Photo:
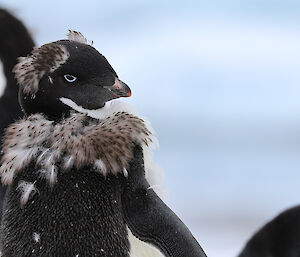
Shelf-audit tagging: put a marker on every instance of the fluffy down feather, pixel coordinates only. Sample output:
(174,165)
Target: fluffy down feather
(105,142)
(27,189)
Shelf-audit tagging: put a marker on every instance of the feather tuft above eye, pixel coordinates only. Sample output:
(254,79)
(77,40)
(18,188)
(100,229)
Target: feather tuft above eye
(78,37)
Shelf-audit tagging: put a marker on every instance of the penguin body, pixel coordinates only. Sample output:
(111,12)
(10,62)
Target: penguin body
(77,177)
(278,238)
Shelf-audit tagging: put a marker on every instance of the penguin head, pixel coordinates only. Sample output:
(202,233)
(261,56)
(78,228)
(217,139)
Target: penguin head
(66,73)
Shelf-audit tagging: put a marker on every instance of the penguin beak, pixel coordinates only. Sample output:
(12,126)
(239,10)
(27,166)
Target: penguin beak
(119,89)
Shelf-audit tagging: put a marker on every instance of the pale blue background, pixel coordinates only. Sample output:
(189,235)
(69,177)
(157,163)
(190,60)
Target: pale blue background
(220,82)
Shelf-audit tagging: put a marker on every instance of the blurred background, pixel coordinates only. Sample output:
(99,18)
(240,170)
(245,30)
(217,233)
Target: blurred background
(220,82)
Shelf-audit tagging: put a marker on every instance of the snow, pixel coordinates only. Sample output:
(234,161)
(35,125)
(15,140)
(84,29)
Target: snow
(36,237)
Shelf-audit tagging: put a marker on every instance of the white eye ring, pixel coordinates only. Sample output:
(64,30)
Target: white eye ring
(70,78)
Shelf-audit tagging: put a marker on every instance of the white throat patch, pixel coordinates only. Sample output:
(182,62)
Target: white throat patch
(108,109)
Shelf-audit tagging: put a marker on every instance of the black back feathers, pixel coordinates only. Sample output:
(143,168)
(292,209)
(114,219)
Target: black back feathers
(15,41)
(278,238)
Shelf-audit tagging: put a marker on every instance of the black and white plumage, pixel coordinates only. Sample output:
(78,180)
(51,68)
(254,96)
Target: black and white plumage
(278,238)
(79,178)
(15,41)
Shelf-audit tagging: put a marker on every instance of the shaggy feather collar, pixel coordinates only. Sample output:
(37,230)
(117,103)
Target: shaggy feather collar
(103,138)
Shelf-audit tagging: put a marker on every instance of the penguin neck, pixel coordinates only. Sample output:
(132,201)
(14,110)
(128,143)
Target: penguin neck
(56,113)
(53,116)
(58,117)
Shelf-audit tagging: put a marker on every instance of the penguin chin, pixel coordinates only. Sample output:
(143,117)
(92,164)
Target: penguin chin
(69,102)
(110,107)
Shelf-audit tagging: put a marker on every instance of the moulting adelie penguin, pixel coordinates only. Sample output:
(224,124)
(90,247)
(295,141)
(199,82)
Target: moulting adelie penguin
(78,176)
(15,41)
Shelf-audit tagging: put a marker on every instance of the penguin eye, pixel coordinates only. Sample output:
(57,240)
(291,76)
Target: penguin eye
(70,78)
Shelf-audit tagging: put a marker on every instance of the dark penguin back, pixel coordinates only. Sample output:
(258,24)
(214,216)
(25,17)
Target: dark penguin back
(278,238)
(80,215)
(15,41)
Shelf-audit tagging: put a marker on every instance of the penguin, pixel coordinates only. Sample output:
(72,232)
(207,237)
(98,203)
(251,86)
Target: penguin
(15,41)
(78,165)
(278,238)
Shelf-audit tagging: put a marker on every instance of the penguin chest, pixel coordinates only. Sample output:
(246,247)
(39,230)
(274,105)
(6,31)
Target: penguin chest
(79,216)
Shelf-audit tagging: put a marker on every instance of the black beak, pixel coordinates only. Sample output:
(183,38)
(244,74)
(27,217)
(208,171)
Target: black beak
(119,89)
